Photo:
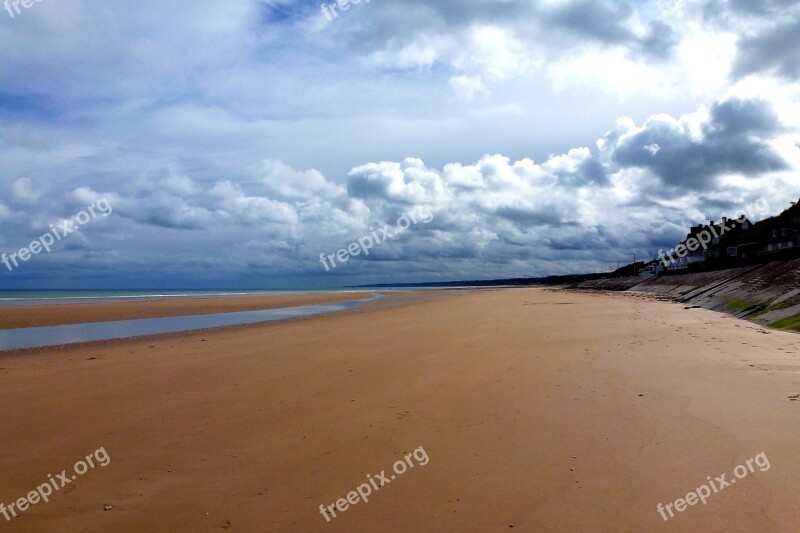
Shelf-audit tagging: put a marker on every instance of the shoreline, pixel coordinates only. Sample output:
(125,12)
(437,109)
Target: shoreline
(388,300)
(14,317)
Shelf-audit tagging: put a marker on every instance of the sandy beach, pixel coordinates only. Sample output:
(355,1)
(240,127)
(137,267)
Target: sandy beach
(538,410)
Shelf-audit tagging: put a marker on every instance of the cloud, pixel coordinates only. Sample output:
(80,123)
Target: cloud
(772,51)
(23,191)
(767,35)
(660,42)
(762,8)
(733,140)
(468,87)
(601,20)
(239,143)
(516,39)
(638,189)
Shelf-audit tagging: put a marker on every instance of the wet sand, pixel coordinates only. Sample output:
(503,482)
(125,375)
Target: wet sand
(57,315)
(545,410)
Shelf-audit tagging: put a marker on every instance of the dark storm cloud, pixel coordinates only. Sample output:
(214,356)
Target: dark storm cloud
(598,20)
(283,11)
(589,172)
(732,142)
(762,7)
(554,27)
(769,35)
(772,51)
(732,118)
(395,21)
(593,172)
(608,23)
(660,41)
(601,20)
(549,216)
(727,12)
(364,186)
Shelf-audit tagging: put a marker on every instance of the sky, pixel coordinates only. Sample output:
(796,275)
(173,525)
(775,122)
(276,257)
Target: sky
(239,141)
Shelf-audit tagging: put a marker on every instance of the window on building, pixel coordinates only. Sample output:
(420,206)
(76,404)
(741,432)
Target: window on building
(774,234)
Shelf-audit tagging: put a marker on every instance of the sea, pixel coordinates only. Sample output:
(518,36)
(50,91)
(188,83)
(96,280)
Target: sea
(54,297)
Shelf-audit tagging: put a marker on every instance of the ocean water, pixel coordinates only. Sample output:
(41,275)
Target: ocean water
(19,298)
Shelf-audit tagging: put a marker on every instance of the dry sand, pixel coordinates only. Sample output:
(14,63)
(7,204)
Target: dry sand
(56,315)
(548,411)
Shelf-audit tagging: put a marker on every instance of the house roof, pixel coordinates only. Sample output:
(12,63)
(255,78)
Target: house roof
(716,229)
(756,233)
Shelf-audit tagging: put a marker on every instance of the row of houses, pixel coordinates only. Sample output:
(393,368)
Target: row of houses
(732,242)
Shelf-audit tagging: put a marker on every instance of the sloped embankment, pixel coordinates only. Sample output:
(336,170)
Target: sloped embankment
(766,294)
(610,284)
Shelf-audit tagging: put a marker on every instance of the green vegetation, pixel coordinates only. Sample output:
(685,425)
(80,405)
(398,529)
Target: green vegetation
(793,322)
(771,308)
(738,305)
(756,310)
